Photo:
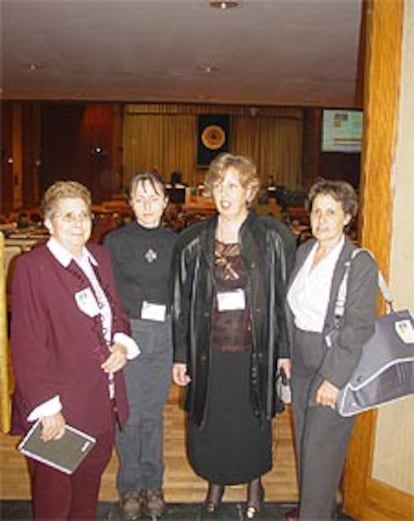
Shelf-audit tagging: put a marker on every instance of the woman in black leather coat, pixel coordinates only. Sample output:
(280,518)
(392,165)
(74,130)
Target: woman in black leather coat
(230,332)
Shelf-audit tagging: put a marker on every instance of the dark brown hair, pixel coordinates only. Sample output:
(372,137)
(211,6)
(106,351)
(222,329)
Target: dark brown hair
(341,191)
(147,177)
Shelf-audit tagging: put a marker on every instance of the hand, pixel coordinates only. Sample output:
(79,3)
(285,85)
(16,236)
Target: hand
(179,374)
(53,427)
(327,394)
(116,360)
(284,363)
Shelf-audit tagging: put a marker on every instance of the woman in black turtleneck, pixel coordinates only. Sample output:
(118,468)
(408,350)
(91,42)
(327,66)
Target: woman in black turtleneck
(141,255)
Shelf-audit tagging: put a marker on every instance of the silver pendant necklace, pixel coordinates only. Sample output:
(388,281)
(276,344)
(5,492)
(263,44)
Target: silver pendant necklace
(150,255)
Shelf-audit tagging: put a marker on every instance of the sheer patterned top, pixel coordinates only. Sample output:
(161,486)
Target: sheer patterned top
(231,329)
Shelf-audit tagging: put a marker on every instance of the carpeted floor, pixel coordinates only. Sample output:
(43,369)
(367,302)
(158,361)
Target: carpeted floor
(21,510)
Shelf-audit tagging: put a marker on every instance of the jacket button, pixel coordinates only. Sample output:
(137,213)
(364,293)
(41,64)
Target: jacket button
(203,358)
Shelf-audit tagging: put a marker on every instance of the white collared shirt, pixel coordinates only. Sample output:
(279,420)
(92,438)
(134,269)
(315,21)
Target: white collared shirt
(308,296)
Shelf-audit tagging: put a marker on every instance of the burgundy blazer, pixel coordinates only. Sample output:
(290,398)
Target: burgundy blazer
(58,349)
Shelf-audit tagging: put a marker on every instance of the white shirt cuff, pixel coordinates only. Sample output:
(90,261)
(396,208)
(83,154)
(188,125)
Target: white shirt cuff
(47,408)
(131,346)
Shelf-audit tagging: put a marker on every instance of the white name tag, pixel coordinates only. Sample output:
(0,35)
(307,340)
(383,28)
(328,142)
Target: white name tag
(405,331)
(155,312)
(231,300)
(86,302)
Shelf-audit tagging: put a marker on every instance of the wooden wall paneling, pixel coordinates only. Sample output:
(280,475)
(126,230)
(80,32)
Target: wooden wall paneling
(78,144)
(117,151)
(387,503)
(31,130)
(96,147)
(337,165)
(364,498)
(329,165)
(311,145)
(6,181)
(17,155)
(60,127)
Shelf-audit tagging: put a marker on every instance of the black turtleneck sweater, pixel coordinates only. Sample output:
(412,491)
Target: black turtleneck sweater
(141,259)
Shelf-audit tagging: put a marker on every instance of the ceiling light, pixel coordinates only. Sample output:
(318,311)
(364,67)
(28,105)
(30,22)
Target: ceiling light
(35,66)
(224,4)
(208,68)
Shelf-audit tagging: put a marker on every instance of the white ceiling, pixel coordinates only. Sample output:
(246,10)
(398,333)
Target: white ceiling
(264,52)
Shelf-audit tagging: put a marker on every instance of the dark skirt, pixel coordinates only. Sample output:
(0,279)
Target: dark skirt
(232,446)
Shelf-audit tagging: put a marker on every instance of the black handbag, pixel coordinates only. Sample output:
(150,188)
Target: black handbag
(283,391)
(385,371)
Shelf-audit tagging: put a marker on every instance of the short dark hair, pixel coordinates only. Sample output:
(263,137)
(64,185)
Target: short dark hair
(147,177)
(341,191)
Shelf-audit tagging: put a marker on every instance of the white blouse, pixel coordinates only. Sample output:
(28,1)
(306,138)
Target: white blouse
(308,296)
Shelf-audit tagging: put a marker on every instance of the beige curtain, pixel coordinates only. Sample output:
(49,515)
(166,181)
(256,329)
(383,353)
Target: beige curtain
(164,142)
(274,143)
(168,142)
(5,405)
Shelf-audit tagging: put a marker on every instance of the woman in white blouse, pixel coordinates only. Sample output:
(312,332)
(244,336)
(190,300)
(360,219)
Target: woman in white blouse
(319,372)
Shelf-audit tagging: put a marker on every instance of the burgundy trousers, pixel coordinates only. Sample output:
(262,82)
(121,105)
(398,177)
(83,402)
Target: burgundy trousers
(60,497)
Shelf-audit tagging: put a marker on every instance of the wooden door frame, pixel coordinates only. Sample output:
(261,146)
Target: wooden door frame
(364,497)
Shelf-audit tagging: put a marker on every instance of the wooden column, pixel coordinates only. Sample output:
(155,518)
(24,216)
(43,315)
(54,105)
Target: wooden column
(5,406)
(363,498)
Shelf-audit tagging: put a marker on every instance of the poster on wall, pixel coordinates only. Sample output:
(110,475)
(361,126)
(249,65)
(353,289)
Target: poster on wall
(342,130)
(213,137)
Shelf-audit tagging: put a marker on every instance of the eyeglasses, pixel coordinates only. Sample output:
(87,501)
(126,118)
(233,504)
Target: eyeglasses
(72,218)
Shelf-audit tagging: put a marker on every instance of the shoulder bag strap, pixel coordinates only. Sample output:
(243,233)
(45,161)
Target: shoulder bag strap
(343,288)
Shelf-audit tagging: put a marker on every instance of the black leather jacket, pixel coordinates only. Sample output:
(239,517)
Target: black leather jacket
(268,249)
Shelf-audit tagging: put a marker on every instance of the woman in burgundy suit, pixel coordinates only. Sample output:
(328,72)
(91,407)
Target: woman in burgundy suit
(70,340)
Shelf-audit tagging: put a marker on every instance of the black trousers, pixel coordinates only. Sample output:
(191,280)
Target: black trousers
(321,434)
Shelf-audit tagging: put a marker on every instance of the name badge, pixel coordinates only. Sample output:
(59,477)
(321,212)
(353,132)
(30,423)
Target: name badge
(231,300)
(86,302)
(405,331)
(156,312)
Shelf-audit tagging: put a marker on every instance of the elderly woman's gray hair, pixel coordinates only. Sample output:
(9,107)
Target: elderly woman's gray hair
(64,190)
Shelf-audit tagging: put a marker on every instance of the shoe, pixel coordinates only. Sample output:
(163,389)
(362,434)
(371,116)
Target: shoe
(213,498)
(255,501)
(292,515)
(153,502)
(130,506)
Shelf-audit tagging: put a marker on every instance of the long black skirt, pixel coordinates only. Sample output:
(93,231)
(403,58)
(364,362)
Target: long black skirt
(232,446)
